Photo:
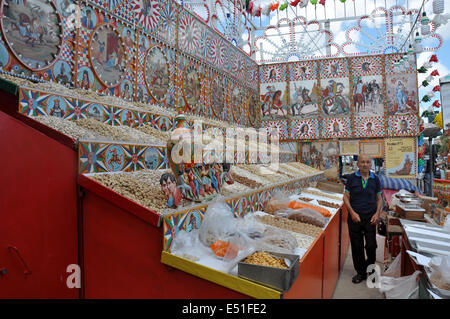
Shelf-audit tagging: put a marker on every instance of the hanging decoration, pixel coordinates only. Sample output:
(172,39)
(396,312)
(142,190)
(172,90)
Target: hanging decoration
(418,43)
(436,104)
(434,58)
(266,10)
(438,6)
(250,7)
(440,17)
(303,3)
(274,5)
(425,28)
(422,70)
(438,120)
(421,145)
(284,6)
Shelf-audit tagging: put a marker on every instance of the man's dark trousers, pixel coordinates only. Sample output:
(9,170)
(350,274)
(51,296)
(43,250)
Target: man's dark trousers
(358,232)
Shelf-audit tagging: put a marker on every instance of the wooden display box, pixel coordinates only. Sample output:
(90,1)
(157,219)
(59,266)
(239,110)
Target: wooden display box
(411,213)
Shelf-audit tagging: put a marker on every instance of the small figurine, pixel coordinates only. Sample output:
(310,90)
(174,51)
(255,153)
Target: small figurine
(214,181)
(226,174)
(206,180)
(170,189)
(217,172)
(186,190)
(193,182)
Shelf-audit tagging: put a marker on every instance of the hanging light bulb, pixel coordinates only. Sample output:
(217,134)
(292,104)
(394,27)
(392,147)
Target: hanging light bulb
(438,6)
(406,63)
(400,65)
(418,43)
(425,28)
(411,54)
(396,67)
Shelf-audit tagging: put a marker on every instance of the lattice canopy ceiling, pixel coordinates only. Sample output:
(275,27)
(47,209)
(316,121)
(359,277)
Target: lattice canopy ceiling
(301,30)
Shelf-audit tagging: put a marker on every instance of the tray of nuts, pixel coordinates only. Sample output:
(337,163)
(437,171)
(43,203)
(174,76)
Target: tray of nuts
(328,204)
(276,270)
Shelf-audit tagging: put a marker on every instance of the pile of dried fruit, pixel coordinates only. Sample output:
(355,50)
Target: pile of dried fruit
(66,127)
(235,188)
(328,204)
(147,194)
(247,182)
(313,192)
(291,225)
(263,258)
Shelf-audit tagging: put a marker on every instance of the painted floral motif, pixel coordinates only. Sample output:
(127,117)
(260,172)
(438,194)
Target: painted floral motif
(189,34)
(217,52)
(169,18)
(147,13)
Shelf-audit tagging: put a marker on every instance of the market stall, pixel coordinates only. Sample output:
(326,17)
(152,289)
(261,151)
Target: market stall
(94,112)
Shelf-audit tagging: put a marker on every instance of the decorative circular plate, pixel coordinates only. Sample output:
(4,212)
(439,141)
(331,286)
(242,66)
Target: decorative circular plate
(147,13)
(33,31)
(107,55)
(157,73)
(191,86)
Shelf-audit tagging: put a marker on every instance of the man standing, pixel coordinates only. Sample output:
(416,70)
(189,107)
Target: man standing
(363,200)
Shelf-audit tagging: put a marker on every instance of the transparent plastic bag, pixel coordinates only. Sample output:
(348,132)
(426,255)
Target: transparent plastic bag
(278,201)
(440,271)
(219,223)
(395,267)
(402,287)
(251,226)
(396,287)
(276,240)
(304,215)
(185,243)
(235,248)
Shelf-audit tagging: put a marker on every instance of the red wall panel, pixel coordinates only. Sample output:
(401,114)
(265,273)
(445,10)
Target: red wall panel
(38,210)
(309,282)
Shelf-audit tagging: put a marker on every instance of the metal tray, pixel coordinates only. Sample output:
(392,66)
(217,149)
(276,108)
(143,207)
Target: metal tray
(411,201)
(403,196)
(411,208)
(276,278)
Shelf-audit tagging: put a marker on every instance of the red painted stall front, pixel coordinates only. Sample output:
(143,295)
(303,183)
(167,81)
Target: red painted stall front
(122,246)
(122,252)
(38,210)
